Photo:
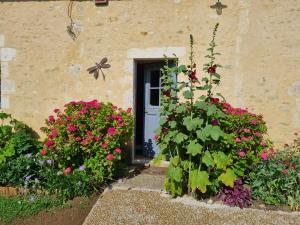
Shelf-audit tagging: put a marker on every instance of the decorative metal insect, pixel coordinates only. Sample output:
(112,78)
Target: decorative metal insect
(219,7)
(99,66)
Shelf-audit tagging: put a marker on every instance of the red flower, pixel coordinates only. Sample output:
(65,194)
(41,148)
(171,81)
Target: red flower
(56,110)
(193,76)
(51,119)
(67,170)
(43,152)
(110,157)
(242,154)
(215,122)
(118,151)
(129,110)
(214,100)
(212,69)
(167,93)
(286,171)
(68,118)
(253,122)
(111,131)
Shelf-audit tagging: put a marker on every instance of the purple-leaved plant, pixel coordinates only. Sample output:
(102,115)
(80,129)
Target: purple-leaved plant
(237,196)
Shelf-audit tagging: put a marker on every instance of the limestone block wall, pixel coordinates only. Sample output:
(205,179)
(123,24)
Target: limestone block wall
(43,68)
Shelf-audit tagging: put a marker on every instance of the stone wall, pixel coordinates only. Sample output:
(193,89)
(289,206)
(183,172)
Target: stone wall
(43,68)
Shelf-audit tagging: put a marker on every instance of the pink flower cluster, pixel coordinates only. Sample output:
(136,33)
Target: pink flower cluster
(91,104)
(227,108)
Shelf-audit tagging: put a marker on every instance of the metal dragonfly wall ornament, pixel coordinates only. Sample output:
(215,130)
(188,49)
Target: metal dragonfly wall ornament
(98,67)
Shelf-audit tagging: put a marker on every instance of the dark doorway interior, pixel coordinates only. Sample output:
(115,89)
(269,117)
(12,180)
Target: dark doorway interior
(139,108)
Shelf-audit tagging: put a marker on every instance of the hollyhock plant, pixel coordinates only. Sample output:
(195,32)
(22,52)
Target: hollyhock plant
(209,142)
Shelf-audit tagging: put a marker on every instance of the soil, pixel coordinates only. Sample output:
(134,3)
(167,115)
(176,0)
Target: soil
(74,214)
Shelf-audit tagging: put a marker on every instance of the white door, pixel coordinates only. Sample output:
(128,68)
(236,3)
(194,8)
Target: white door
(152,103)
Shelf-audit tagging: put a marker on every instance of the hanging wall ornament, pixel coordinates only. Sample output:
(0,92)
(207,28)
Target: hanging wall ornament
(218,7)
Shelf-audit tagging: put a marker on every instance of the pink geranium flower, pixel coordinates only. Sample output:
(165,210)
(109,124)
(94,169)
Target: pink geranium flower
(247,130)
(71,128)
(253,122)
(51,119)
(67,170)
(286,171)
(68,118)
(237,139)
(56,110)
(129,110)
(118,151)
(111,131)
(97,138)
(78,138)
(110,157)
(242,154)
(258,134)
(264,155)
(104,145)
(49,143)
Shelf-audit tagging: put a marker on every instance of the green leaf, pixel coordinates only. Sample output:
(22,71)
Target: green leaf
(192,124)
(201,105)
(173,124)
(194,148)
(221,160)
(216,133)
(162,120)
(181,109)
(211,110)
(175,173)
(199,180)
(204,133)
(208,159)
(175,160)
(180,138)
(228,177)
(188,94)
(181,68)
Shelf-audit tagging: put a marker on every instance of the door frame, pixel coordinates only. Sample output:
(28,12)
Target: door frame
(137,61)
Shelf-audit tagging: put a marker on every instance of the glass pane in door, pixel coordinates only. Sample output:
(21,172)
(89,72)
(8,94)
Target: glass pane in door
(154,78)
(154,97)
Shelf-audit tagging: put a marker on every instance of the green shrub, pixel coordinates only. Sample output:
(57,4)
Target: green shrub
(276,178)
(18,145)
(210,144)
(84,145)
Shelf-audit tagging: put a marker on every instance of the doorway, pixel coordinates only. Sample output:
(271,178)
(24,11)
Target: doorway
(147,104)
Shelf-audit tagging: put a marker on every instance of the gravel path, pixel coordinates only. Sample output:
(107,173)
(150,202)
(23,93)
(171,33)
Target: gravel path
(135,207)
(141,201)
